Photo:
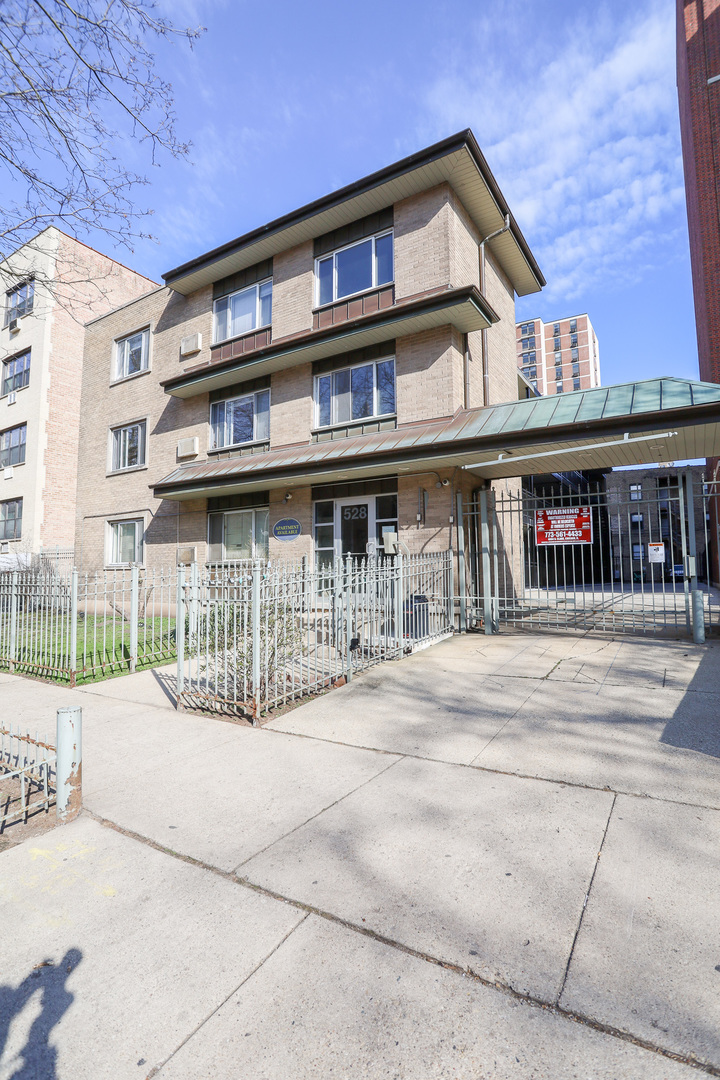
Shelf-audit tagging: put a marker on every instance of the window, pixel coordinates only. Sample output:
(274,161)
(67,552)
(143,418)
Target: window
(530,372)
(576,369)
(240,420)
(637,552)
(132,354)
(574,354)
(528,343)
(15,373)
(576,384)
(528,358)
(243,311)
(125,542)
(12,446)
(386,516)
(636,491)
(556,328)
(527,328)
(238,534)
(558,388)
(355,393)
(11,519)
(573,326)
(128,446)
(573,341)
(19,301)
(355,268)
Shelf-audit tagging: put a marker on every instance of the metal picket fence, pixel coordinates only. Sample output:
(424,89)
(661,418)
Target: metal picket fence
(78,627)
(252,639)
(27,774)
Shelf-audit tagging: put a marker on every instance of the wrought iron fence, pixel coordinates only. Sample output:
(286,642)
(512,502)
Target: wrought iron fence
(83,626)
(27,774)
(251,639)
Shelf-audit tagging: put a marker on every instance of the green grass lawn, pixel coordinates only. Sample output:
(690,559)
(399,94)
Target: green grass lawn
(103,647)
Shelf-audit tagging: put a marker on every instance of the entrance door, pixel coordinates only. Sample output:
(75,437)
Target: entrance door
(354,525)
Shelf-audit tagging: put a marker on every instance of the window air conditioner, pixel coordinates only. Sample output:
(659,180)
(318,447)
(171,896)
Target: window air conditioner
(12,397)
(4,548)
(188,447)
(13,326)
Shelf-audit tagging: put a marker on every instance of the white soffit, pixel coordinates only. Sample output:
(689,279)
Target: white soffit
(457,168)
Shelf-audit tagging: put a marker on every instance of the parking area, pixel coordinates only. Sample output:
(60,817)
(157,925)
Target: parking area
(495,858)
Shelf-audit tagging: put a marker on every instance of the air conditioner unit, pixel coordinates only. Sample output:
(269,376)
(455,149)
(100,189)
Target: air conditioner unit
(188,447)
(12,397)
(4,548)
(191,344)
(13,326)
(8,473)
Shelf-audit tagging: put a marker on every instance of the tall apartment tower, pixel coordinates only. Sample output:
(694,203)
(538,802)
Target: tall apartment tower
(698,79)
(52,286)
(559,356)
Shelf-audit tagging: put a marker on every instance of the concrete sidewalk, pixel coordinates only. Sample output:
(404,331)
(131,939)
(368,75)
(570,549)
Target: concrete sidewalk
(497,858)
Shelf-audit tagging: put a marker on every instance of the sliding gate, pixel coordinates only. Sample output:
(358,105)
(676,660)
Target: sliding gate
(626,560)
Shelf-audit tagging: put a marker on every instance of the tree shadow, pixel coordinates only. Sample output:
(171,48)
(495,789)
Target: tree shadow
(695,724)
(38,1058)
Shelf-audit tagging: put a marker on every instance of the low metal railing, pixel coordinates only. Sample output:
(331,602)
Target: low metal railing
(27,774)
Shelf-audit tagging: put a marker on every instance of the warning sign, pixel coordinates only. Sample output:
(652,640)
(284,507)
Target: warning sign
(656,553)
(563,525)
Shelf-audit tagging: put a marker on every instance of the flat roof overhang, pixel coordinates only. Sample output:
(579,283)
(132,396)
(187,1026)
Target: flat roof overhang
(466,309)
(457,160)
(646,437)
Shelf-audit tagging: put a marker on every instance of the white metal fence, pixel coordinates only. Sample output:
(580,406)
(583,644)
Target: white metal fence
(256,638)
(27,774)
(77,627)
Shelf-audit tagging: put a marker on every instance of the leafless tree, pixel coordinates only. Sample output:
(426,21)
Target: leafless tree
(77,81)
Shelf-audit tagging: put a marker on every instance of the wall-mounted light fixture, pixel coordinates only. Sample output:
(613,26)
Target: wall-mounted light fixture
(287,496)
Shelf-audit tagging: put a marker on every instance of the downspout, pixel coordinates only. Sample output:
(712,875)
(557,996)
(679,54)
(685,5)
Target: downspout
(484,350)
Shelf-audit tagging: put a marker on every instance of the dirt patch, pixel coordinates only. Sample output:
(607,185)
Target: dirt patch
(39,820)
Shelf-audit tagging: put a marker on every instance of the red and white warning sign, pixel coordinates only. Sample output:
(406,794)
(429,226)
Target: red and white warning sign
(563,525)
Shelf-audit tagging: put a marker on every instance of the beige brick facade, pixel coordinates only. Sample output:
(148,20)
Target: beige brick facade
(435,249)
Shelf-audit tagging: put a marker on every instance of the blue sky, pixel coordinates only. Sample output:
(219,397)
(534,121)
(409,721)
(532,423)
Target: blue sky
(574,105)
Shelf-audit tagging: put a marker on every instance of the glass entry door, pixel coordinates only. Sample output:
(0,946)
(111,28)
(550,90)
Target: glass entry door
(354,525)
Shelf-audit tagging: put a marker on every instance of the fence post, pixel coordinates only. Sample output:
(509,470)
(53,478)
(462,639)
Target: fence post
(450,579)
(255,614)
(698,616)
(399,628)
(12,656)
(486,577)
(462,584)
(194,590)
(134,615)
(180,632)
(73,625)
(68,780)
(346,617)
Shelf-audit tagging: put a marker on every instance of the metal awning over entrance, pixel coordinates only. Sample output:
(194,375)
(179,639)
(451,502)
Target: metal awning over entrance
(657,420)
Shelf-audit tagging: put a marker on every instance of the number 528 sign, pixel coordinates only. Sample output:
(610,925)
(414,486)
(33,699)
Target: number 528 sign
(563,525)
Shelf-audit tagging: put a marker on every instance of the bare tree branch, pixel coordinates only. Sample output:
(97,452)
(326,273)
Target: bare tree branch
(77,80)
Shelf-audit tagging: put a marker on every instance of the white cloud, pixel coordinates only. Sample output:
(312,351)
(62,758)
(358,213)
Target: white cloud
(579,124)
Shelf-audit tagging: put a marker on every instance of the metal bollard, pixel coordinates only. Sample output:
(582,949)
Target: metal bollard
(698,617)
(68,780)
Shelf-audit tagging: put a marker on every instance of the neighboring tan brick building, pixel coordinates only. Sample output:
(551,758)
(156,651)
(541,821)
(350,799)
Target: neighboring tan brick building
(556,357)
(306,371)
(51,285)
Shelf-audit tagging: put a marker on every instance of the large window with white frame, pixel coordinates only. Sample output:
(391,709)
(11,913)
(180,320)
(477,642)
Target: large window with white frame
(240,420)
(359,392)
(128,446)
(243,311)
(235,535)
(132,354)
(125,542)
(12,446)
(15,373)
(19,301)
(356,268)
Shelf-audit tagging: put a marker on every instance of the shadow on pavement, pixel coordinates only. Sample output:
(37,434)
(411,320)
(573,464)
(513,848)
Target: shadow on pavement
(696,722)
(37,1059)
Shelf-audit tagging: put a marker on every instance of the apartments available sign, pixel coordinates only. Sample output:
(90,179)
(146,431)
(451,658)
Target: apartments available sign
(563,525)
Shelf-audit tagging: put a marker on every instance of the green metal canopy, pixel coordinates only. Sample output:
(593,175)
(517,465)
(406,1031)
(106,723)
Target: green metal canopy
(657,420)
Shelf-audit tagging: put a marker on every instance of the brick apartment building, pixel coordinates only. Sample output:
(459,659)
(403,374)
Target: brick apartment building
(698,80)
(556,357)
(52,285)
(305,388)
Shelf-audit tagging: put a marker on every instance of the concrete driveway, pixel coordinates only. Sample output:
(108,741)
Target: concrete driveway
(496,858)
